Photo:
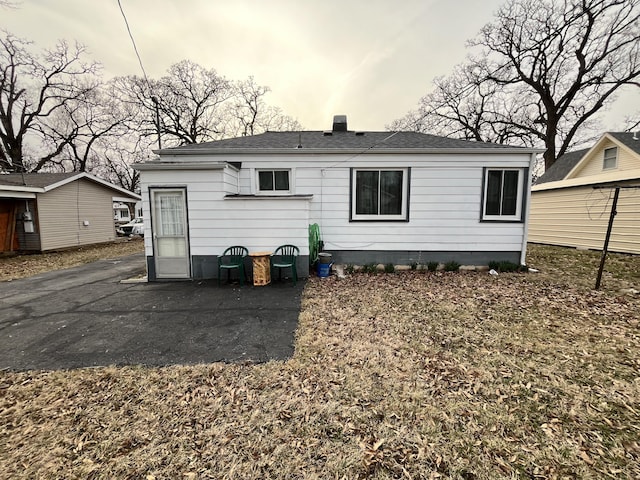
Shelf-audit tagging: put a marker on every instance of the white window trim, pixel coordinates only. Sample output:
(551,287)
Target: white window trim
(615,159)
(256,176)
(405,190)
(517,217)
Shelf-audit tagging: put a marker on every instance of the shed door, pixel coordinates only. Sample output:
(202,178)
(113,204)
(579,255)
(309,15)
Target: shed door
(170,240)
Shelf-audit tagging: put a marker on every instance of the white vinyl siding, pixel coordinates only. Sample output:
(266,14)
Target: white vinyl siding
(444,201)
(216,222)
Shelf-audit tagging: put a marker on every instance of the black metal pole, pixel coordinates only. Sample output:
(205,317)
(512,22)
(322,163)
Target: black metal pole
(606,239)
(155,102)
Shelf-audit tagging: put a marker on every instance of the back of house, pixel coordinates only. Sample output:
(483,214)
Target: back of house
(374,197)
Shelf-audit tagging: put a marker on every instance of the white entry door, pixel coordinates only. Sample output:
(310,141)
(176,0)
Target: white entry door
(170,240)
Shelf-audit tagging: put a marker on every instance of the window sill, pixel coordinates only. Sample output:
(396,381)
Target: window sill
(379,220)
(501,220)
(268,197)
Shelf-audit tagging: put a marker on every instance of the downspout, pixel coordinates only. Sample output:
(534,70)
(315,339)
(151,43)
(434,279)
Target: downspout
(527,206)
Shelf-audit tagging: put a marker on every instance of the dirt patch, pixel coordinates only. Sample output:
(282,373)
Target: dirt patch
(21,266)
(411,375)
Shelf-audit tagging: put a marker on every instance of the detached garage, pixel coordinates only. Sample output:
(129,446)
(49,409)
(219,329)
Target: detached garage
(50,211)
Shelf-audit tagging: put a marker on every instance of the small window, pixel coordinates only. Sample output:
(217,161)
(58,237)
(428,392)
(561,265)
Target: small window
(610,158)
(379,194)
(271,181)
(502,195)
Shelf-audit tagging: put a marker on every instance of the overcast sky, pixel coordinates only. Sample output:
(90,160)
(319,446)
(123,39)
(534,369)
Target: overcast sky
(369,59)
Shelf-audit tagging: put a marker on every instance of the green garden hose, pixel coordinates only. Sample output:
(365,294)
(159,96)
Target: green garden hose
(314,243)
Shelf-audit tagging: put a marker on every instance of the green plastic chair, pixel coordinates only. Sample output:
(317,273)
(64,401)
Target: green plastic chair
(233,257)
(285,256)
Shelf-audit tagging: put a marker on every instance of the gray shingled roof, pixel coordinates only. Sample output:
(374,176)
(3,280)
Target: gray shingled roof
(627,139)
(350,140)
(37,180)
(563,165)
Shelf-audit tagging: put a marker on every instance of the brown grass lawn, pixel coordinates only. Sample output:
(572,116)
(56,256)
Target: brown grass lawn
(410,375)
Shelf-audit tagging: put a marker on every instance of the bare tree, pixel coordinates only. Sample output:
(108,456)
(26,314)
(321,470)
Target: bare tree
(466,105)
(116,156)
(188,101)
(34,88)
(572,55)
(540,74)
(79,125)
(192,104)
(249,114)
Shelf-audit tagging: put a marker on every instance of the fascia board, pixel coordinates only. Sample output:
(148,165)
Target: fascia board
(623,176)
(326,151)
(142,167)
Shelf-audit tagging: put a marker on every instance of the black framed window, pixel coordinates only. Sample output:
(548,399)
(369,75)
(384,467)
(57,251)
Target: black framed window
(503,189)
(379,194)
(273,181)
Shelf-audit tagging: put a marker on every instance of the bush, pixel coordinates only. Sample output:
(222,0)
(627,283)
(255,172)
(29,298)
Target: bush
(414,266)
(451,266)
(432,266)
(505,266)
(370,268)
(389,268)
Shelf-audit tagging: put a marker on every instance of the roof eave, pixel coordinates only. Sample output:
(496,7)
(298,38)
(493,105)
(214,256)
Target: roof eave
(167,165)
(94,179)
(346,151)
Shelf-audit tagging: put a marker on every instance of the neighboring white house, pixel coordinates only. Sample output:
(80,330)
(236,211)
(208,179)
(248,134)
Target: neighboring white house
(121,213)
(399,197)
(567,210)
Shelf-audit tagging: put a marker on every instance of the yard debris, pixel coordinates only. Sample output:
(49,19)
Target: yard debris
(21,266)
(394,376)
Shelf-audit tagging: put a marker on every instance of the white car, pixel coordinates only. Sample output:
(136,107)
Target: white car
(134,227)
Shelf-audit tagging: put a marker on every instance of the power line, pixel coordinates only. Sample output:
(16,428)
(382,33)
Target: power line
(154,99)
(135,48)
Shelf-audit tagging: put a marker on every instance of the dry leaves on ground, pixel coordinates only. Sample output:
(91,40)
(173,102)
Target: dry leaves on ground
(413,375)
(21,266)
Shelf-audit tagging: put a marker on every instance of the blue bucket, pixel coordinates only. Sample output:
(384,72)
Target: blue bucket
(324,269)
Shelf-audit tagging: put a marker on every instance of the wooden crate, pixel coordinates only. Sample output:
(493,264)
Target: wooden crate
(261,269)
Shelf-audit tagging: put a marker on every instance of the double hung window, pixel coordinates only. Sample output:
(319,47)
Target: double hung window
(610,160)
(379,194)
(503,194)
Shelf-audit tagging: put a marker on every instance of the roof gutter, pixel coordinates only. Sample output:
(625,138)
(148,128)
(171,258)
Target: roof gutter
(165,165)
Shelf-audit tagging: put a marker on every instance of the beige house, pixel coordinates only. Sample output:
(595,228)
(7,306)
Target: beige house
(50,211)
(571,202)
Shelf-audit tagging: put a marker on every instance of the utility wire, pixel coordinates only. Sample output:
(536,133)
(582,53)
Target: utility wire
(154,99)
(135,48)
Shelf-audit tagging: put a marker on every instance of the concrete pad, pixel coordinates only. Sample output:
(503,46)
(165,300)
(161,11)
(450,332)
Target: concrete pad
(84,317)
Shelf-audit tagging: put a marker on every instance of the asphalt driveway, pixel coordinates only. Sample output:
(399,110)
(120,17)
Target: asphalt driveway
(84,316)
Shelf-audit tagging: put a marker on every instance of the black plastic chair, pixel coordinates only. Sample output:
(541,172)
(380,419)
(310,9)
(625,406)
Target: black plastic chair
(285,256)
(233,257)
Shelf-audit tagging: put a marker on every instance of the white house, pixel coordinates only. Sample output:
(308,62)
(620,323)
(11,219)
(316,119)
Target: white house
(399,197)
